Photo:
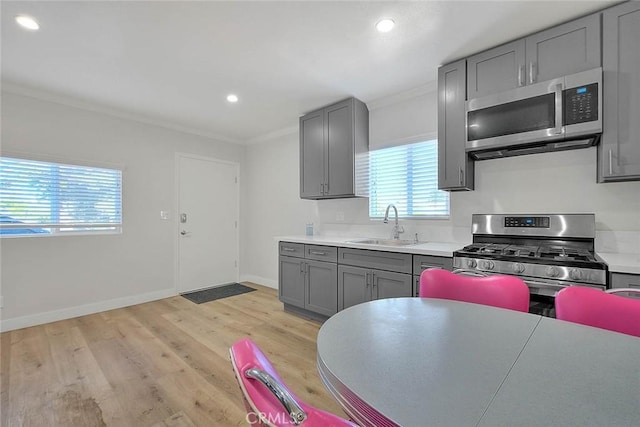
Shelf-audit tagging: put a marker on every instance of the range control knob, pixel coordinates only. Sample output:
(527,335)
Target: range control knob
(575,274)
(471,263)
(487,265)
(517,267)
(552,271)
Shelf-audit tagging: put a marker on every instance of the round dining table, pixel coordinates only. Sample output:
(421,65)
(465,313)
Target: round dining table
(432,362)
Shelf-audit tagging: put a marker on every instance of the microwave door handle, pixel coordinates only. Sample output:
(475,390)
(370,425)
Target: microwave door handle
(558,91)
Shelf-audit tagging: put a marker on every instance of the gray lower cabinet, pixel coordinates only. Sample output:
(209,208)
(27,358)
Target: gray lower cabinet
(455,168)
(357,285)
(365,275)
(332,141)
(565,49)
(625,280)
(424,262)
(308,284)
(619,150)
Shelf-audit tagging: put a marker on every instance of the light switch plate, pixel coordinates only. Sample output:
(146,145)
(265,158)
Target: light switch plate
(164,214)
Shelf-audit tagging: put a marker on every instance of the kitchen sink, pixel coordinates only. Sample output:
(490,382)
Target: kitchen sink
(385,242)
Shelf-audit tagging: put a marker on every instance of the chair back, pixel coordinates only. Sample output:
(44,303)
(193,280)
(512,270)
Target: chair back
(268,400)
(593,307)
(497,290)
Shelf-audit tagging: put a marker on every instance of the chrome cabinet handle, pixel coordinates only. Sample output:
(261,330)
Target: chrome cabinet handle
(284,248)
(373,280)
(610,162)
(521,75)
(321,189)
(425,266)
(366,279)
(461,176)
(326,188)
(317,253)
(531,71)
(294,409)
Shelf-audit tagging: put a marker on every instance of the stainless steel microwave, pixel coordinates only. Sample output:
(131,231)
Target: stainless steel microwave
(558,114)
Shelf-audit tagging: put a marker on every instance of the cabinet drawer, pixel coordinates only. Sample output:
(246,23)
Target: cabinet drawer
(623,280)
(292,249)
(389,261)
(321,253)
(423,262)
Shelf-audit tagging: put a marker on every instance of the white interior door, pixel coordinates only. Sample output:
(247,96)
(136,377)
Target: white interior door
(208,202)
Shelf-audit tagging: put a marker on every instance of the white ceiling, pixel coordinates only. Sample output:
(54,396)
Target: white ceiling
(174,62)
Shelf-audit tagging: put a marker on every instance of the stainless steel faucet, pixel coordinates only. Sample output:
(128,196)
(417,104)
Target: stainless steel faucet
(397,229)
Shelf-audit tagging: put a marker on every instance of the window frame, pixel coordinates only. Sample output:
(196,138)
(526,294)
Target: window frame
(410,195)
(67,229)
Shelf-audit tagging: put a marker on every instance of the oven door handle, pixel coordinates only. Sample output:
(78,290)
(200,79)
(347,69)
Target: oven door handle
(535,284)
(467,272)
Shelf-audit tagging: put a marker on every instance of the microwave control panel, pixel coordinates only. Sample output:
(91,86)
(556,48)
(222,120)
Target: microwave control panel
(580,104)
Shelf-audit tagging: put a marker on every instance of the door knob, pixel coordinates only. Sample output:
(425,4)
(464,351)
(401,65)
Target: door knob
(184,232)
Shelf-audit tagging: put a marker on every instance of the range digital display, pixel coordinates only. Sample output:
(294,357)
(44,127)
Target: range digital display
(526,221)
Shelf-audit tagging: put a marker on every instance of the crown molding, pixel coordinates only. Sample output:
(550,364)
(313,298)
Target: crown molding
(70,101)
(267,137)
(386,101)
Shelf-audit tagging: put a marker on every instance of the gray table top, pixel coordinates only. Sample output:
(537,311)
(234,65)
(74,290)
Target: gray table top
(419,361)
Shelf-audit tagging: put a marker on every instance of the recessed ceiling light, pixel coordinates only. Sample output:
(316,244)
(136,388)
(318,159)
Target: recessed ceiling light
(27,22)
(232,98)
(385,25)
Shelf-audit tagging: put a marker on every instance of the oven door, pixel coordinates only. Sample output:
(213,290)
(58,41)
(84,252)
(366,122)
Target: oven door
(516,117)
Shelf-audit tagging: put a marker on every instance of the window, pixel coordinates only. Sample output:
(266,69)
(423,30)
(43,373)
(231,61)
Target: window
(407,176)
(41,198)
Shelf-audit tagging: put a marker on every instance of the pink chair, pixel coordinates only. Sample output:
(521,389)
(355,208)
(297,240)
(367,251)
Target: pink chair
(267,399)
(593,307)
(497,290)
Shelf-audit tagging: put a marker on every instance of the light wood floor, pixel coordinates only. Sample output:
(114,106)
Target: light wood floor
(164,363)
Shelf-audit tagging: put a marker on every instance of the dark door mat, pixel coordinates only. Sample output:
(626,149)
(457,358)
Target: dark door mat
(217,292)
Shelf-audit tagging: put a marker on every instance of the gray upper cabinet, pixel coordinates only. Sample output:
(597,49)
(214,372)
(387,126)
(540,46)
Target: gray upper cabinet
(619,150)
(455,168)
(496,70)
(332,140)
(566,49)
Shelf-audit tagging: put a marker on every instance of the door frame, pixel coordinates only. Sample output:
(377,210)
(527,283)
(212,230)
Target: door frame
(176,222)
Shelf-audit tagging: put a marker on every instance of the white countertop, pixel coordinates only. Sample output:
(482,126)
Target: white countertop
(444,249)
(618,262)
(622,263)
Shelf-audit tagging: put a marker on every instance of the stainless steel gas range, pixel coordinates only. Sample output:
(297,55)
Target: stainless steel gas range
(548,252)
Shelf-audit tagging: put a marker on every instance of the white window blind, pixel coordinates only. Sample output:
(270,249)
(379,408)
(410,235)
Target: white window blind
(50,198)
(407,176)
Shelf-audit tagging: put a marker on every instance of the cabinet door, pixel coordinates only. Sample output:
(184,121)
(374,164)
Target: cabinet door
(291,281)
(565,49)
(496,70)
(391,285)
(322,287)
(619,151)
(354,286)
(339,168)
(312,155)
(455,168)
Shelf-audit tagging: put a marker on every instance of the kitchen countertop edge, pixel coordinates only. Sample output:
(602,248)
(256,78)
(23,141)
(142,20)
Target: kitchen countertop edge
(444,249)
(621,262)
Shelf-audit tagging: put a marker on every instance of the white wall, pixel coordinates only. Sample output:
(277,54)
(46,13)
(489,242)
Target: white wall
(48,278)
(561,182)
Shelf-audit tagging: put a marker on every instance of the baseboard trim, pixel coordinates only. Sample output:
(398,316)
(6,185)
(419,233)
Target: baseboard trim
(82,310)
(260,281)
